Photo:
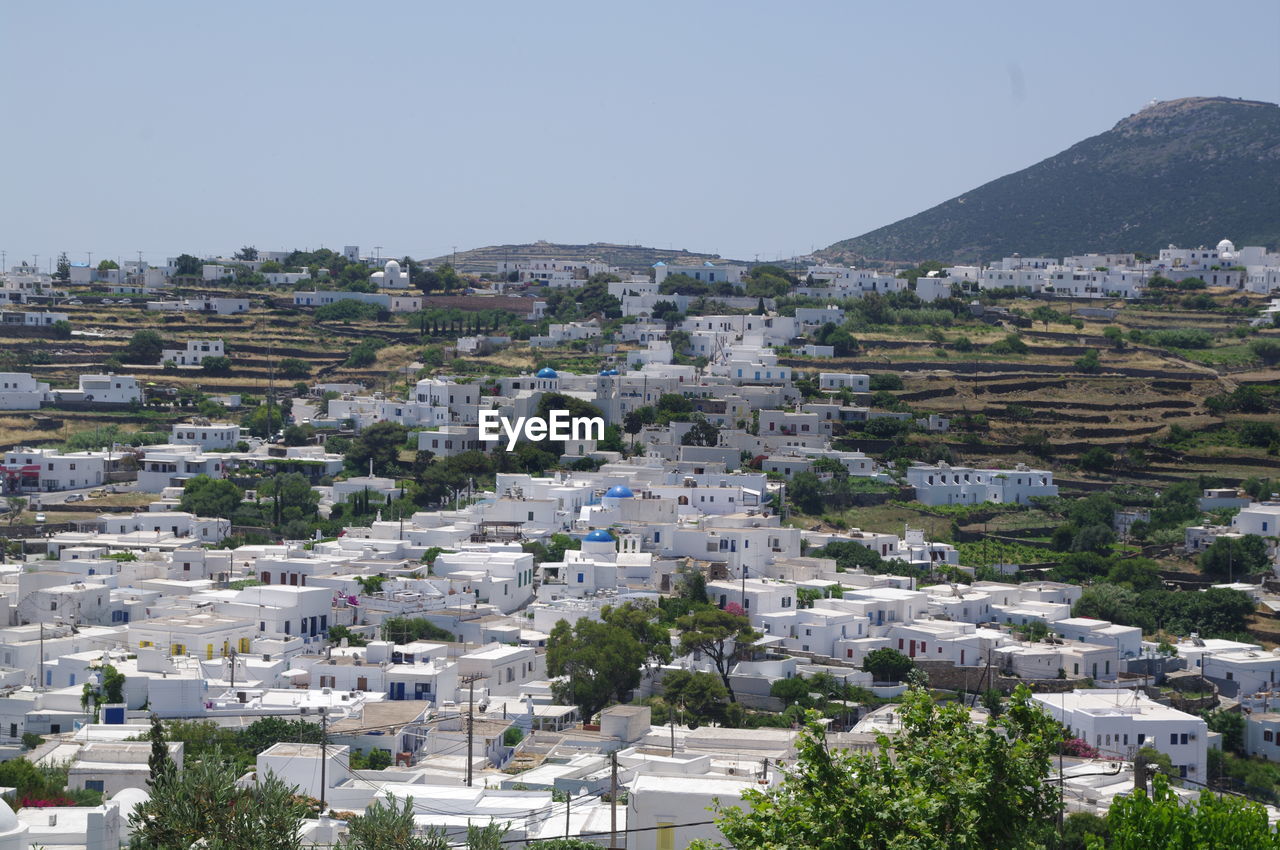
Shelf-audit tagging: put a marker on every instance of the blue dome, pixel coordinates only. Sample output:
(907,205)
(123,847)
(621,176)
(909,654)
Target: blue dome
(620,491)
(546,372)
(599,536)
(613,371)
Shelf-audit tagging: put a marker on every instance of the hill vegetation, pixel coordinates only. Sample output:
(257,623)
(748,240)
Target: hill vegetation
(1172,173)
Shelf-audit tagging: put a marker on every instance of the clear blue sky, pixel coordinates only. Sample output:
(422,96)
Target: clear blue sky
(737,128)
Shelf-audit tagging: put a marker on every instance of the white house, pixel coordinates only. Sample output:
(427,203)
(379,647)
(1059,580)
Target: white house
(840,380)
(50,470)
(210,436)
(21,391)
(944,484)
(1119,721)
(1260,518)
(195,352)
(103,389)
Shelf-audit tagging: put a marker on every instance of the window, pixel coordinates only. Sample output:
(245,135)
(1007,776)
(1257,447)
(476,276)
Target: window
(1173,739)
(1184,739)
(1268,736)
(1141,738)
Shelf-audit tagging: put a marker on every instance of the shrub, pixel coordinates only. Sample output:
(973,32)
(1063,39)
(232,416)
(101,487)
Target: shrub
(886,382)
(293,367)
(1089,362)
(216,365)
(1011,344)
(1181,338)
(1266,350)
(347,310)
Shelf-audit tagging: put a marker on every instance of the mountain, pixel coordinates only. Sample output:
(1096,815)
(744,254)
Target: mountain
(629,258)
(1186,172)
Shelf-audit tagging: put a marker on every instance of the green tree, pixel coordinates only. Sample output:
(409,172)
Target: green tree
(1096,459)
(216,365)
(144,347)
(1266,350)
(337,634)
(703,433)
(391,826)
(719,635)
(381,443)
(291,495)
(107,265)
(64,268)
(1161,820)
(187,265)
(409,629)
(1114,335)
(212,497)
(641,620)
(1230,724)
(108,691)
(941,782)
(1235,557)
(790,691)
(1077,828)
(263,420)
(700,696)
(159,762)
(202,805)
(1089,361)
(887,665)
(293,367)
(16,505)
(600,664)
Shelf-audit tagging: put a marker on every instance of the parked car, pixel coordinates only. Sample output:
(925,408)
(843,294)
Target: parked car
(75,497)
(40,517)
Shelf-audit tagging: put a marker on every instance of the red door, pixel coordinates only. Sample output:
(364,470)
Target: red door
(912,651)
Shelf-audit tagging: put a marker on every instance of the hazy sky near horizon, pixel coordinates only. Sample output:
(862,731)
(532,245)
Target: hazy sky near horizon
(742,128)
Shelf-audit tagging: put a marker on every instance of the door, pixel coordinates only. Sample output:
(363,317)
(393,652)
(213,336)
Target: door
(912,652)
(362,683)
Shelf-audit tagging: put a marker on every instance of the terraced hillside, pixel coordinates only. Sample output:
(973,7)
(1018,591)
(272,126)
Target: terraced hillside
(1157,410)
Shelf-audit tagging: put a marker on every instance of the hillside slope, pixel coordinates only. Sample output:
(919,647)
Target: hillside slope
(628,258)
(1185,172)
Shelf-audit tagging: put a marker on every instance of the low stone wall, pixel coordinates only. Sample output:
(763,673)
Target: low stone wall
(946,675)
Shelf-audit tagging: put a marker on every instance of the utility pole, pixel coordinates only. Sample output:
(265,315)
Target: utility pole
(324,752)
(1139,775)
(567,797)
(470,679)
(613,799)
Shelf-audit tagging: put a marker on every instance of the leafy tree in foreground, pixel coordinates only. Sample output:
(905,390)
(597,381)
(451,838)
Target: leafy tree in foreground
(941,782)
(1160,821)
(203,806)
